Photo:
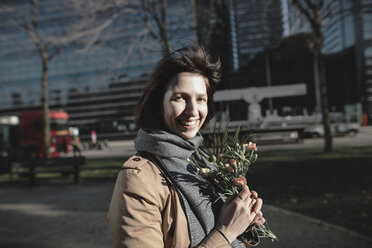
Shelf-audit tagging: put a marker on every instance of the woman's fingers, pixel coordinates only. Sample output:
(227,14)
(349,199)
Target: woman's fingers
(258,206)
(257,221)
(251,204)
(254,194)
(244,193)
(261,221)
(257,218)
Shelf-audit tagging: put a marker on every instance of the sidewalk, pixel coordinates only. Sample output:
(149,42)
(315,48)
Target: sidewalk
(74,216)
(296,230)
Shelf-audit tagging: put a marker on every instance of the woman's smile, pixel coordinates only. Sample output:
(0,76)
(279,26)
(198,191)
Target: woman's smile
(189,126)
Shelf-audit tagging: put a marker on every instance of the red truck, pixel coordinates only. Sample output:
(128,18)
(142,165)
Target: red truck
(22,137)
(31,137)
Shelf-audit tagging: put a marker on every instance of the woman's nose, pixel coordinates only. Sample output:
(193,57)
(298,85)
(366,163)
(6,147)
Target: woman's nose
(191,108)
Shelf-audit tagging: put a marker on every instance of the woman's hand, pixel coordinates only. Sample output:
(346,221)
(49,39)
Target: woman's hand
(235,210)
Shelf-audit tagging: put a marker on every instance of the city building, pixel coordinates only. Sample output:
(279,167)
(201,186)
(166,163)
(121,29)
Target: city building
(291,62)
(349,27)
(254,25)
(97,81)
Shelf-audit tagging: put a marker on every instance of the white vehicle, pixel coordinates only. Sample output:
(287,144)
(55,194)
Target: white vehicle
(339,126)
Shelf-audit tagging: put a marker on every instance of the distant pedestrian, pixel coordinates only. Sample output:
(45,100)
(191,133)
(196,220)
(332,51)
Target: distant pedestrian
(93,137)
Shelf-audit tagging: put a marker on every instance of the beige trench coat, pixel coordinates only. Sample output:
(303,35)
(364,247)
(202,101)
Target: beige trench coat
(145,210)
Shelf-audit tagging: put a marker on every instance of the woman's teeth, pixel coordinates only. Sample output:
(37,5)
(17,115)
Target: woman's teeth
(189,123)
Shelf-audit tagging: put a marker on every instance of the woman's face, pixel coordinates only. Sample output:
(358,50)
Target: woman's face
(185,104)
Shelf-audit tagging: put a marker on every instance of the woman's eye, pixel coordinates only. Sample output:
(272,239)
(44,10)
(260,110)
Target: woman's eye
(202,99)
(178,98)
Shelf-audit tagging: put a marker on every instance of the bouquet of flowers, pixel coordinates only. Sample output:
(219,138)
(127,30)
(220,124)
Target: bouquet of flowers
(231,159)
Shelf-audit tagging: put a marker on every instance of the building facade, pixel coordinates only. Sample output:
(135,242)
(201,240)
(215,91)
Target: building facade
(255,25)
(350,26)
(96,80)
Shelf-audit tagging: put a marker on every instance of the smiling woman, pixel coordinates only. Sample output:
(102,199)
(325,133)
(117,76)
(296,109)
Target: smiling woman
(159,200)
(192,60)
(185,104)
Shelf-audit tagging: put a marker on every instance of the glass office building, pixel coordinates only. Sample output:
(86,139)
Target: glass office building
(255,24)
(351,26)
(338,30)
(95,83)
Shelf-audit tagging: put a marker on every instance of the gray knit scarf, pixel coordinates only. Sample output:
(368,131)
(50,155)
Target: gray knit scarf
(196,194)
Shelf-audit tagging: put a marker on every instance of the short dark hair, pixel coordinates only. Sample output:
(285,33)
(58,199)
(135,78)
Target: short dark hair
(193,59)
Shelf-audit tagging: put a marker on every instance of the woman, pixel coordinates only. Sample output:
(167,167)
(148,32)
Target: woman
(158,199)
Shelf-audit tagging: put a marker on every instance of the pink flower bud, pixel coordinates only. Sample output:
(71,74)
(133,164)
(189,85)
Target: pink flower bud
(252,146)
(204,172)
(232,161)
(240,181)
(228,167)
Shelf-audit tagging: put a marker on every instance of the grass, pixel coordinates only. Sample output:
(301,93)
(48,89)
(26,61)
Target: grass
(334,187)
(102,168)
(93,169)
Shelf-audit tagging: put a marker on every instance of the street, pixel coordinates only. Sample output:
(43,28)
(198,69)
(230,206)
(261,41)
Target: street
(125,148)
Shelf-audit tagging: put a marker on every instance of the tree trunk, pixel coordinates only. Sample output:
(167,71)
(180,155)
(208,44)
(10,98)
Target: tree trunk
(32,31)
(164,42)
(313,13)
(45,102)
(324,102)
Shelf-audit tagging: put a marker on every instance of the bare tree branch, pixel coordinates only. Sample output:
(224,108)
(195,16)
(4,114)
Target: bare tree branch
(302,9)
(310,4)
(313,16)
(57,51)
(145,19)
(318,5)
(158,13)
(327,13)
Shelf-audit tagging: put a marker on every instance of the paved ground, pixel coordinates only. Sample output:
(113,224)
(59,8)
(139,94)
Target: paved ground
(59,216)
(74,216)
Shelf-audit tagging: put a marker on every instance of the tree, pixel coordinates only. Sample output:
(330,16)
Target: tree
(101,18)
(33,32)
(47,48)
(212,27)
(156,9)
(316,13)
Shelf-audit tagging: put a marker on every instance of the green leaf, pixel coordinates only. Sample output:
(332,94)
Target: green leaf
(225,134)
(236,136)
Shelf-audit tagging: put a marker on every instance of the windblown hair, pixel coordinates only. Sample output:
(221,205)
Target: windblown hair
(193,59)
